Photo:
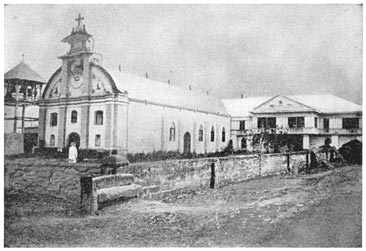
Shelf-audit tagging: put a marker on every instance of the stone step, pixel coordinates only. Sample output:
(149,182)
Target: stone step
(113,180)
(112,193)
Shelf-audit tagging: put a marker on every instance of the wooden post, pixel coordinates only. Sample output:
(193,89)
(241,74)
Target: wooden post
(307,161)
(16,107)
(288,162)
(23,113)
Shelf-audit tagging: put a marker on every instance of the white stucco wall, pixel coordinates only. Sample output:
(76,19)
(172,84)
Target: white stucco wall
(149,127)
(97,129)
(31,111)
(52,129)
(73,127)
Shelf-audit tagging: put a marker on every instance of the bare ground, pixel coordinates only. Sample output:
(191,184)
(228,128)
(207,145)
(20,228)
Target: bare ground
(319,210)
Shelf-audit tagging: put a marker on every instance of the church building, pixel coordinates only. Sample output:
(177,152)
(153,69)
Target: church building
(110,110)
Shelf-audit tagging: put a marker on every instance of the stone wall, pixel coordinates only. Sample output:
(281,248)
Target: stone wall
(60,178)
(13,143)
(45,176)
(164,176)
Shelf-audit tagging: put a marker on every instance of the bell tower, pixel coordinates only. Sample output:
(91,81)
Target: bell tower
(78,37)
(76,63)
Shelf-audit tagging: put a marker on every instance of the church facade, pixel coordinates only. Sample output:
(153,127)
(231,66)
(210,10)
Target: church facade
(110,110)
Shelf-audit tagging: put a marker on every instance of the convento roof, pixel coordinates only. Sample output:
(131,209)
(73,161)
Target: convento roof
(320,103)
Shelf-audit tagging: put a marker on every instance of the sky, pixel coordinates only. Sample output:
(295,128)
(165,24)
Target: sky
(228,50)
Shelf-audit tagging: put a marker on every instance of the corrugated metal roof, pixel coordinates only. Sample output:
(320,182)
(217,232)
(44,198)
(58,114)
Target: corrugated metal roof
(327,103)
(242,107)
(323,103)
(23,72)
(163,93)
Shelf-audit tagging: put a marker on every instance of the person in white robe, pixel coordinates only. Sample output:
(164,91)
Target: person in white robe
(73,153)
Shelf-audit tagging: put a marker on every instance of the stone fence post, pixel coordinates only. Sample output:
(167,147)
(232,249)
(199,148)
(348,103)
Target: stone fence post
(89,199)
(213,176)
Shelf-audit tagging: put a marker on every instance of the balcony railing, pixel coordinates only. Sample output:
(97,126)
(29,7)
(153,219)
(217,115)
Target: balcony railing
(302,130)
(340,131)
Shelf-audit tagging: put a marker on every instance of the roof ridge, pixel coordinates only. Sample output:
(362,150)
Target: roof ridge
(144,80)
(23,69)
(156,91)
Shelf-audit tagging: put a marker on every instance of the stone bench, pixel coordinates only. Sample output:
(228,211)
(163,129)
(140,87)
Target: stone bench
(96,191)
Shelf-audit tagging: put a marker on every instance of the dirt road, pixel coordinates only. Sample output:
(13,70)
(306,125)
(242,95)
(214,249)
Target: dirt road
(321,210)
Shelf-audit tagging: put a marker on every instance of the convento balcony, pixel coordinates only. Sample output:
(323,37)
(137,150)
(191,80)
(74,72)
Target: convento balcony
(302,130)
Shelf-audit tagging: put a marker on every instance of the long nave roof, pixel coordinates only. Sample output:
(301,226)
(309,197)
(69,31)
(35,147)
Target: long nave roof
(166,94)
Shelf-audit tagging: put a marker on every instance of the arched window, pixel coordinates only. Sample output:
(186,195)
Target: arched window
(172,132)
(74,116)
(52,140)
(54,119)
(200,133)
(99,117)
(97,140)
(212,134)
(223,136)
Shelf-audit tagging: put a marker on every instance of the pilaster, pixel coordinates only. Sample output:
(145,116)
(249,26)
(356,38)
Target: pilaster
(108,122)
(306,142)
(179,134)
(162,138)
(62,123)
(194,137)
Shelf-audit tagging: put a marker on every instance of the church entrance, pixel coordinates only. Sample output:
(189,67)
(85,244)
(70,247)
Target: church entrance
(73,137)
(187,143)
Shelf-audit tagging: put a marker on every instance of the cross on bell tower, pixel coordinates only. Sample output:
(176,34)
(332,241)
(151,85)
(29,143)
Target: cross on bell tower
(78,37)
(76,61)
(79,19)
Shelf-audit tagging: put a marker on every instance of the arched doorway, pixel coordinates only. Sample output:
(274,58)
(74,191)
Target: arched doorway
(187,143)
(73,137)
(243,143)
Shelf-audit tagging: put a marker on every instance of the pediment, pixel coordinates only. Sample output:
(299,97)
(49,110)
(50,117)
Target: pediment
(55,87)
(281,104)
(78,85)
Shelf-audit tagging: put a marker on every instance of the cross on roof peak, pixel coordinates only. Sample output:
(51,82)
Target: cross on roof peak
(79,19)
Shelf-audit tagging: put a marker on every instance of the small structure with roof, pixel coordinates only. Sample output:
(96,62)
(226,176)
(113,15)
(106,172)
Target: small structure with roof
(22,90)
